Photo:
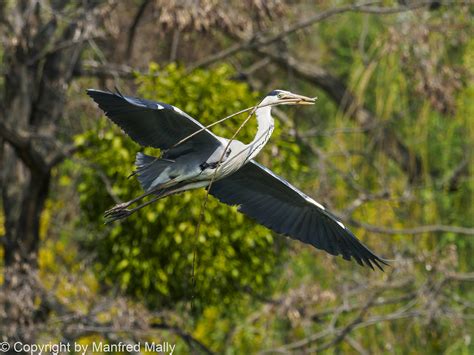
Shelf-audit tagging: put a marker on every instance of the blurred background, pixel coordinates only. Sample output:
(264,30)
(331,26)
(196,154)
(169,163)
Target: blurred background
(388,147)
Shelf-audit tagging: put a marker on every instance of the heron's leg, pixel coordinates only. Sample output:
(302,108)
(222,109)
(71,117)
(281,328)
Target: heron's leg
(157,190)
(119,212)
(132,201)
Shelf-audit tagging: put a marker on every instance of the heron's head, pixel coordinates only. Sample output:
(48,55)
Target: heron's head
(282,97)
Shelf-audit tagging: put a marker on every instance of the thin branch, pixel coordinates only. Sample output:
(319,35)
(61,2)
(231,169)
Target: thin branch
(356,345)
(91,68)
(59,47)
(377,303)
(62,153)
(108,329)
(187,337)
(343,332)
(206,197)
(460,277)
(174,45)
(252,108)
(85,324)
(435,228)
(103,176)
(133,28)
(461,170)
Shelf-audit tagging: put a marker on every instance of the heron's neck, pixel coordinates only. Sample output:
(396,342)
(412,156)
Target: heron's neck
(264,131)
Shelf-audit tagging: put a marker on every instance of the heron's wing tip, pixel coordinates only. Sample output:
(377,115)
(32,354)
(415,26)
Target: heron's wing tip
(96,92)
(378,261)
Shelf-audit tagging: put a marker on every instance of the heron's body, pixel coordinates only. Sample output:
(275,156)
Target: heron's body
(195,168)
(193,157)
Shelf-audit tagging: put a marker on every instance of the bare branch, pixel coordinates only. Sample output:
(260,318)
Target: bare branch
(460,277)
(462,169)
(62,153)
(344,331)
(59,47)
(377,303)
(103,176)
(436,228)
(357,346)
(75,324)
(91,68)
(133,28)
(188,338)
(98,328)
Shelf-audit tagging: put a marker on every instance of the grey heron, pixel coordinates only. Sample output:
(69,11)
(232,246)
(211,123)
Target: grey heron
(237,178)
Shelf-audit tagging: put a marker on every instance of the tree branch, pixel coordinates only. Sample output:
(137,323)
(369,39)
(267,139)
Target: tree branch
(62,153)
(454,180)
(436,228)
(21,143)
(344,331)
(264,39)
(133,28)
(95,69)
(188,338)
(347,309)
(80,325)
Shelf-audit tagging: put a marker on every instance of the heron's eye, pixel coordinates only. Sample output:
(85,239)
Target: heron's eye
(280,96)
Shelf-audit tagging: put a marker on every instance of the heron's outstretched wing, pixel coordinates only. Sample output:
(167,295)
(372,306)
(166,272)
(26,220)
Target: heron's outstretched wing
(273,202)
(153,124)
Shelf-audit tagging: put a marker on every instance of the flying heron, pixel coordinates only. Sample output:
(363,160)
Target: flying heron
(192,156)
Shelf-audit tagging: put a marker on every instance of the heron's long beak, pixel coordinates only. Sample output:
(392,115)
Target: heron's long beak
(303,100)
(294,99)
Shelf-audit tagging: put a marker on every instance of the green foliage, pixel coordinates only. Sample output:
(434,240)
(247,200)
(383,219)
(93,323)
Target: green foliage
(150,254)
(395,76)
(385,62)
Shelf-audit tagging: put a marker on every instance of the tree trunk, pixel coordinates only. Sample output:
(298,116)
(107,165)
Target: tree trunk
(24,195)
(38,63)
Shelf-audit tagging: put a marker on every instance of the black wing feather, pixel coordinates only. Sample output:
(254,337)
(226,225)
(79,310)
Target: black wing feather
(153,124)
(271,200)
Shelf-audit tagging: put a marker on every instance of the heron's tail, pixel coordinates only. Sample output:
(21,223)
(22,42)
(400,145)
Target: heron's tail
(150,169)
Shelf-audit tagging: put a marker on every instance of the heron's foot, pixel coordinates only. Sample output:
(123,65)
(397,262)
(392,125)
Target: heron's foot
(120,206)
(117,207)
(117,212)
